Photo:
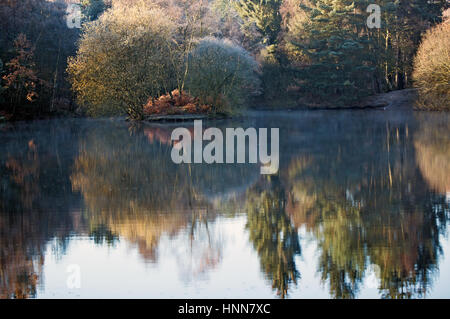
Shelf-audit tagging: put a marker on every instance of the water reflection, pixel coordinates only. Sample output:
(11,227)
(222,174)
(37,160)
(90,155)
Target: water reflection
(273,236)
(130,185)
(370,189)
(432,145)
(35,195)
(367,204)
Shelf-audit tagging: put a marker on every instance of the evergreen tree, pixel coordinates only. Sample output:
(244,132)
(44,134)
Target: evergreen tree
(264,15)
(340,64)
(92,9)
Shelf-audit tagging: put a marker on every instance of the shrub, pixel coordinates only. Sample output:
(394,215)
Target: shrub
(175,103)
(124,57)
(432,69)
(221,74)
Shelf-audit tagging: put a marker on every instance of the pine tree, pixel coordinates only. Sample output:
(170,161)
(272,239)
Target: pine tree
(341,66)
(265,15)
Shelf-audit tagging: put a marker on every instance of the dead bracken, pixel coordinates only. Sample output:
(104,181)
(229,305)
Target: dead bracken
(175,103)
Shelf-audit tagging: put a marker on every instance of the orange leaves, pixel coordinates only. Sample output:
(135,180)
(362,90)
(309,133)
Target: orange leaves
(190,108)
(182,99)
(32,96)
(175,103)
(21,80)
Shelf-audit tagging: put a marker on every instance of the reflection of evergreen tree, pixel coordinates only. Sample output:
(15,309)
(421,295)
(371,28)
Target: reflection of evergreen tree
(342,261)
(273,236)
(409,264)
(102,234)
(369,206)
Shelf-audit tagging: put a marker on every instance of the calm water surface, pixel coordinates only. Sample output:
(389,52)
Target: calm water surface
(359,209)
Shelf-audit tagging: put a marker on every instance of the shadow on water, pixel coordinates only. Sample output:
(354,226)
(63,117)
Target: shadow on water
(371,188)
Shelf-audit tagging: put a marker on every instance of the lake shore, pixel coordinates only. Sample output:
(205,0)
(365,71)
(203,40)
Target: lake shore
(399,99)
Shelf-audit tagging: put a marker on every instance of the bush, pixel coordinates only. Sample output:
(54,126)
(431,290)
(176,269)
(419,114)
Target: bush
(124,58)
(432,69)
(175,103)
(221,74)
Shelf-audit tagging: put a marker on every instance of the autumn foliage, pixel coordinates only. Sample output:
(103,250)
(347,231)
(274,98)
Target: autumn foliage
(175,103)
(432,69)
(21,81)
(34,45)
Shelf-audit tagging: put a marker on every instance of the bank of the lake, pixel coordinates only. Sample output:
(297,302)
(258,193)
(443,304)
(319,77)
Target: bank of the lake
(400,99)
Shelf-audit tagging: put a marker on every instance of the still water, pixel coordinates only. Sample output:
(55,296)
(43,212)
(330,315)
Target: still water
(359,209)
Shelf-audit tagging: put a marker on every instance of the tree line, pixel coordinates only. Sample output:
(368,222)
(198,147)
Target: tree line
(280,53)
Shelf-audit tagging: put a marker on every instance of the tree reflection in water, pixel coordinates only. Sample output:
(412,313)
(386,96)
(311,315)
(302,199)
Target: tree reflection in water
(35,195)
(373,209)
(371,192)
(130,185)
(272,234)
(432,145)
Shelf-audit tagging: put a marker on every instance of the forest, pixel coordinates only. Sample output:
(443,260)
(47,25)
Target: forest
(217,57)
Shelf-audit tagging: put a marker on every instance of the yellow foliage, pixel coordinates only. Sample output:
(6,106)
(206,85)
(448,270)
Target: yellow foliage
(432,69)
(124,57)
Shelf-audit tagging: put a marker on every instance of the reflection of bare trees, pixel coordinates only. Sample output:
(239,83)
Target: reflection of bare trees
(131,186)
(432,144)
(30,180)
(24,173)
(204,251)
(19,270)
(21,257)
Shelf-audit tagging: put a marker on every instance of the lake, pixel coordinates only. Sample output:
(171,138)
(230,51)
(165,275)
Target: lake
(95,208)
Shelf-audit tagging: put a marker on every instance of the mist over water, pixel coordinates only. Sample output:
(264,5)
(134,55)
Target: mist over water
(359,208)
